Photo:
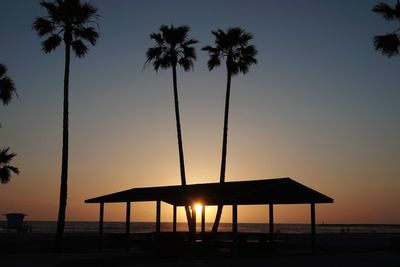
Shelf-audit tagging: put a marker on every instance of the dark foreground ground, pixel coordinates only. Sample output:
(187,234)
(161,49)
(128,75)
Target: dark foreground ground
(346,249)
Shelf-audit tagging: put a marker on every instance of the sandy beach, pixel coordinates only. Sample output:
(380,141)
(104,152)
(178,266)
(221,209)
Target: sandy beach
(293,250)
(366,259)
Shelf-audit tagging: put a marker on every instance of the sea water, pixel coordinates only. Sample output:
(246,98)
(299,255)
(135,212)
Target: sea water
(146,227)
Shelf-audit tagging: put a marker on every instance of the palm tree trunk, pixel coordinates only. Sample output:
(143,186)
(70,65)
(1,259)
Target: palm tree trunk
(224,148)
(180,145)
(64,163)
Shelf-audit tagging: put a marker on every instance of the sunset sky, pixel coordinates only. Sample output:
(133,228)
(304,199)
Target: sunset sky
(321,106)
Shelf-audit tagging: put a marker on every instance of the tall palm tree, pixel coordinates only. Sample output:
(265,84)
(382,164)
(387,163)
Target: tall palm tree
(5,168)
(172,48)
(7,86)
(233,47)
(72,22)
(389,43)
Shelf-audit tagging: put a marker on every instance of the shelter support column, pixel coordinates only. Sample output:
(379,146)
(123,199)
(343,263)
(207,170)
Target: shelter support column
(174,219)
(127,224)
(203,219)
(128,218)
(194,219)
(313,232)
(158,216)
(234,222)
(101,219)
(271,223)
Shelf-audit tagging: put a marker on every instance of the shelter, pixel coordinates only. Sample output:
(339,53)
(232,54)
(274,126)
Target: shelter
(16,221)
(254,192)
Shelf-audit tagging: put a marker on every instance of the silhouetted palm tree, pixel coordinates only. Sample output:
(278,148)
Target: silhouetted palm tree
(389,43)
(72,22)
(7,91)
(233,47)
(7,86)
(172,48)
(5,168)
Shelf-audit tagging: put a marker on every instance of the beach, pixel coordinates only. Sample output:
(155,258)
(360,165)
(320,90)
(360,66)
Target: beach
(366,259)
(339,249)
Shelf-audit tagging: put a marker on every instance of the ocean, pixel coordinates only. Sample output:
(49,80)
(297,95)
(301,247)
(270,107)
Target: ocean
(146,227)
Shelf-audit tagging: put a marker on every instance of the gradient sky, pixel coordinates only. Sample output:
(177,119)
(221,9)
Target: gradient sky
(321,107)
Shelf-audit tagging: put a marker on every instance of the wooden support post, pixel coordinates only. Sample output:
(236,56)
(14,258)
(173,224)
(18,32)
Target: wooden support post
(234,222)
(271,223)
(101,219)
(127,224)
(313,232)
(158,217)
(128,218)
(174,219)
(194,219)
(203,219)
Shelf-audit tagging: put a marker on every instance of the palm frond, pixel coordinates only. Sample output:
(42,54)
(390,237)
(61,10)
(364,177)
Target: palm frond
(249,53)
(153,53)
(213,62)
(180,34)
(167,34)
(51,43)
(245,38)
(207,48)
(397,10)
(5,175)
(6,157)
(243,67)
(7,90)
(162,62)
(3,70)
(79,48)
(85,13)
(186,64)
(189,52)
(88,34)
(12,168)
(385,10)
(43,26)
(234,36)
(190,42)
(52,8)
(7,86)
(157,37)
(387,44)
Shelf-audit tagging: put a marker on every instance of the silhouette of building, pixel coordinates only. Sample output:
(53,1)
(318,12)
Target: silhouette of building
(254,192)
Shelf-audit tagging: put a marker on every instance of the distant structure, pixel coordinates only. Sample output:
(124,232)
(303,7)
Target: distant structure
(255,192)
(15,221)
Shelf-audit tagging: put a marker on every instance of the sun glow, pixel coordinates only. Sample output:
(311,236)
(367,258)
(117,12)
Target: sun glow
(198,207)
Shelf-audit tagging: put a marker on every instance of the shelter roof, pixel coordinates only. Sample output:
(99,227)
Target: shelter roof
(252,192)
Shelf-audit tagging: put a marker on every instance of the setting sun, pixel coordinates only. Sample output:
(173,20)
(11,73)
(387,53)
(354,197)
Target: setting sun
(198,207)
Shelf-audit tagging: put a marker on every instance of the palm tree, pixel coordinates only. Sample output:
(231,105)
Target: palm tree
(7,86)
(72,22)
(5,168)
(389,43)
(233,47)
(7,91)
(172,48)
